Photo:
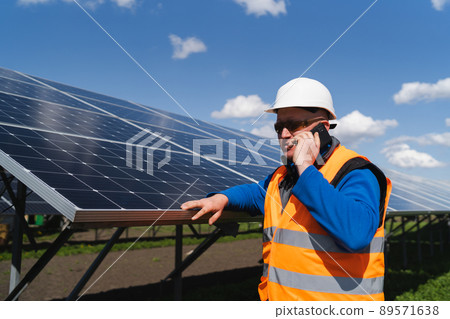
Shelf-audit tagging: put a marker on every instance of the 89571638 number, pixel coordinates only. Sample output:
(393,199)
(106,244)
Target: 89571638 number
(409,310)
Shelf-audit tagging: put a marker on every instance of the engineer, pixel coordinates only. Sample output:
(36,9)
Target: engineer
(324,210)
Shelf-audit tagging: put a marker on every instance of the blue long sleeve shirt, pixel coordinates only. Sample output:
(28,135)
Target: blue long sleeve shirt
(349,212)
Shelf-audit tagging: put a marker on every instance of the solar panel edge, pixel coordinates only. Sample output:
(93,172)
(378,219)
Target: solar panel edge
(48,194)
(139,217)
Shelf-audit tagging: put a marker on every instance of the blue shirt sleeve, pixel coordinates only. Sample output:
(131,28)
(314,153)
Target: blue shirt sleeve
(349,212)
(247,197)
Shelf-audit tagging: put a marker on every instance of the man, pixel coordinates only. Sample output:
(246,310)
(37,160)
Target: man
(323,211)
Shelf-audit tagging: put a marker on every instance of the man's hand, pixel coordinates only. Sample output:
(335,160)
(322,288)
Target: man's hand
(306,151)
(214,204)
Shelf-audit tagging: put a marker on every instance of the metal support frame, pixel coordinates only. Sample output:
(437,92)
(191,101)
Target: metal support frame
(18,201)
(194,231)
(180,266)
(431,238)
(101,256)
(419,241)
(16,256)
(439,218)
(405,256)
(20,226)
(178,289)
(41,263)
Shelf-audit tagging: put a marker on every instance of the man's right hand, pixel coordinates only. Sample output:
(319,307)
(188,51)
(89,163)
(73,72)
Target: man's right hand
(214,204)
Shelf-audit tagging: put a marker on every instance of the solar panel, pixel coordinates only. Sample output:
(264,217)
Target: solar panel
(70,147)
(413,193)
(82,151)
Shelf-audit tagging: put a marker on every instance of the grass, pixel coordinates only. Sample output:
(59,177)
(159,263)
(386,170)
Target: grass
(70,249)
(433,289)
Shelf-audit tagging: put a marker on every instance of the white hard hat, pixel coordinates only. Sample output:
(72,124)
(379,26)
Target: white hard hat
(304,92)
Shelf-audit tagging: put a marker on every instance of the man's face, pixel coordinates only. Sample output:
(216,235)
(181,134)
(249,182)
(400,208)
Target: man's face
(294,117)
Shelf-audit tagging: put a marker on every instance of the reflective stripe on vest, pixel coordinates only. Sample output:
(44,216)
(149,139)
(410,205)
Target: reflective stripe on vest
(265,269)
(268,234)
(328,284)
(321,242)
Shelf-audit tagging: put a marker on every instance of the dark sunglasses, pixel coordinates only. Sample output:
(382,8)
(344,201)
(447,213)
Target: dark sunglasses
(293,126)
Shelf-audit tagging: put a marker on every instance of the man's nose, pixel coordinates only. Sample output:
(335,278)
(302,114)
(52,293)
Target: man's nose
(285,134)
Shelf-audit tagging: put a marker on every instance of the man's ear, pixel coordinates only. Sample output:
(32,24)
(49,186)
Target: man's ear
(327,125)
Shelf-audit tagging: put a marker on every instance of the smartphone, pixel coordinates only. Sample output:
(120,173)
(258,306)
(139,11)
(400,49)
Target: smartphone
(325,138)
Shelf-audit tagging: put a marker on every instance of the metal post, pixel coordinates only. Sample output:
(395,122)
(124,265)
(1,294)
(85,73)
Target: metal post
(83,281)
(178,261)
(198,251)
(194,231)
(16,259)
(430,223)
(419,243)
(441,237)
(405,258)
(41,263)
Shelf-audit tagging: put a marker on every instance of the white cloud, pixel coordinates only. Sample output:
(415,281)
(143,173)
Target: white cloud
(356,127)
(403,156)
(263,7)
(125,3)
(265,131)
(240,107)
(439,4)
(90,4)
(442,139)
(447,121)
(183,48)
(417,91)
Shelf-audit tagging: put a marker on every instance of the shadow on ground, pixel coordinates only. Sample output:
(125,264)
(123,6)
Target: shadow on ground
(232,285)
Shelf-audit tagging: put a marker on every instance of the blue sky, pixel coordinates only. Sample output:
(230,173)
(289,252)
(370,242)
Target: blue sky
(224,60)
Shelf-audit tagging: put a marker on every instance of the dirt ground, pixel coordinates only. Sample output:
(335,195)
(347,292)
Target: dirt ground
(137,274)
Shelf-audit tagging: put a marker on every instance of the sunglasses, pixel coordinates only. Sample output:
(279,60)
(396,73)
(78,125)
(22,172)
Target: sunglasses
(293,126)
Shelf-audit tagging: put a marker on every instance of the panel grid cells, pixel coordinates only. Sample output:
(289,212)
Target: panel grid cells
(108,154)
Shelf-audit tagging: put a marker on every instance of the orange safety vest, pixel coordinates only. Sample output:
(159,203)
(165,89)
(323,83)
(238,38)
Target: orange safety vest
(303,262)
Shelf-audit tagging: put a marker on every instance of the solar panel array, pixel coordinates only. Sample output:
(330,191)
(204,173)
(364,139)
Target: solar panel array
(413,193)
(80,150)
(70,147)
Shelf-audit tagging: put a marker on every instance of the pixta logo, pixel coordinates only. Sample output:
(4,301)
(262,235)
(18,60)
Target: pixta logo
(147,142)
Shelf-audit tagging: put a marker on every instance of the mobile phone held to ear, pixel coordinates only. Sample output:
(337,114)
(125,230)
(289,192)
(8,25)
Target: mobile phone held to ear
(325,138)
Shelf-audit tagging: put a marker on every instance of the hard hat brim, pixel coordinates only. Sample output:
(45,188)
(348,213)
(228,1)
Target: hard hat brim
(275,110)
